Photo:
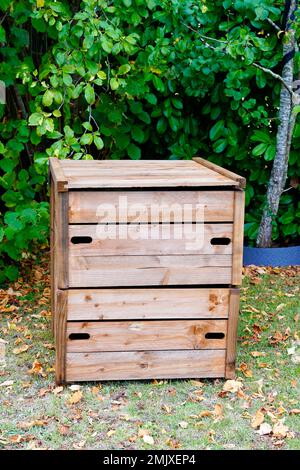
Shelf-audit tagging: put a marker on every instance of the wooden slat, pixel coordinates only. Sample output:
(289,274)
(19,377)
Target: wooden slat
(102,271)
(149,239)
(53,278)
(156,335)
(232,333)
(237,179)
(60,336)
(136,206)
(117,304)
(58,175)
(238,237)
(145,365)
(61,241)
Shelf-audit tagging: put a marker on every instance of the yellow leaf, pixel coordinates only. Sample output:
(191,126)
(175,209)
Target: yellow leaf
(218,410)
(257,353)
(110,433)
(232,386)
(75,398)
(280,430)
(40,3)
(257,419)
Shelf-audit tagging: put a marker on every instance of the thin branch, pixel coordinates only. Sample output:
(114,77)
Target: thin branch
(275,26)
(203,38)
(276,76)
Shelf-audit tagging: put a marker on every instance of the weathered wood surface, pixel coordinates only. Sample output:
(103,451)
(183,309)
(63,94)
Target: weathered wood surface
(155,335)
(58,175)
(60,336)
(234,304)
(150,239)
(238,237)
(159,303)
(238,180)
(145,365)
(130,206)
(97,271)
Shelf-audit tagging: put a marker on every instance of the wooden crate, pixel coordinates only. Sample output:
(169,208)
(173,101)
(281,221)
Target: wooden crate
(130,305)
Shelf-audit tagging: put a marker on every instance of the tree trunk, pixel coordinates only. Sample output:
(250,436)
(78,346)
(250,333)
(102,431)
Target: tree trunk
(284,135)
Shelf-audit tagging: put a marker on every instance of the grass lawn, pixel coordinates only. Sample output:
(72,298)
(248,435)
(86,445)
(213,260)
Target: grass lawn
(260,410)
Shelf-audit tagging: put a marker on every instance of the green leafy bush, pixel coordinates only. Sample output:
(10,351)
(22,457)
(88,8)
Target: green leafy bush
(136,79)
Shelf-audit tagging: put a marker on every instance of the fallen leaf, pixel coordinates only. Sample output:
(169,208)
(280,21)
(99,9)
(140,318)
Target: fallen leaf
(173,443)
(7,383)
(57,390)
(246,371)
(75,398)
(111,432)
(31,424)
(75,388)
(264,429)
(21,349)
(16,438)
(232,386)
(205,414)
(183,424)
(257,353)
(218,410)
(257,419)
(79,445)
(64,429)
(294,411)
(36,369)
(148,439)
(280,430)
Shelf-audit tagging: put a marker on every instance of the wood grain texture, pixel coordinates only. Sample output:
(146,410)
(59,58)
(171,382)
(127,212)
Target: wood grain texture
(237,180)
(145,365)
(234,303)
(60,336)
(155,335)
(52,255)
(238,237)
(97,271)
(147,173)
(158,303)
(61,240)
(58,175)
(135,206)
(150,239)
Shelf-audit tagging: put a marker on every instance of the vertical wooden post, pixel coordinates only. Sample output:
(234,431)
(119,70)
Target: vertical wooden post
(60,336)
(52,254)
(238,237)
(234,303)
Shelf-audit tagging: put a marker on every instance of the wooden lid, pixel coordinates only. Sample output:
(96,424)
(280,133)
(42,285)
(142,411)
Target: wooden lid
(100,174)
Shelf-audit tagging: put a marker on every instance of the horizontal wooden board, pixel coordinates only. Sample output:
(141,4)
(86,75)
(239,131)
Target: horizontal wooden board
(118,304)
(149,239)
(150,206)
(144,365)
(119,271)
(144,173)
(147,335)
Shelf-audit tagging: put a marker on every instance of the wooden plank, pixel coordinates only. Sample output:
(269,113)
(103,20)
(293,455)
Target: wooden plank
(150,239)
(61,247)
(238,237)
(145,365)
(135,206)
(102,271)
(118,304)
(58,175)
(237,180)
(60,336)
(155,335)
(52,255)
(234,304)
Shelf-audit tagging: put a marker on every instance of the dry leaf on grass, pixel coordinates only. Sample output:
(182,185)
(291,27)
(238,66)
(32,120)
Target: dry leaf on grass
(280,430)
(21,349)
(257,419)
(246,371)
(232,386)
(36,369)
(294,411)
(57,390)
(64,430)
(148,439)
(110,433)
(257,353)
(218,410)
(75,398)
(31,424)
(183,424)
(264,429)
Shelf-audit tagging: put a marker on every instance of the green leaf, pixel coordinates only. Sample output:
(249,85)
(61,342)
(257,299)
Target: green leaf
(177,103)
(89,94)
(35,119)
(217,130)
(98,142)
(134,152)
(137,134)
(48,98)
(161,126)
(259,149)
(220,145)
(86,139)
(123,69)
(114,83)
(270,153)
(2,34)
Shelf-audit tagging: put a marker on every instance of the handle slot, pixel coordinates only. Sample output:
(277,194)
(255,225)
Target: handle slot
(77,240)
(79,336)
(214,335)
(220,241)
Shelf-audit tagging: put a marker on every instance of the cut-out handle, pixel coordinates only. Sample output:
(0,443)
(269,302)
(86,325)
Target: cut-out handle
(214,335)
(77,240)
(80,336)
(220,241)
